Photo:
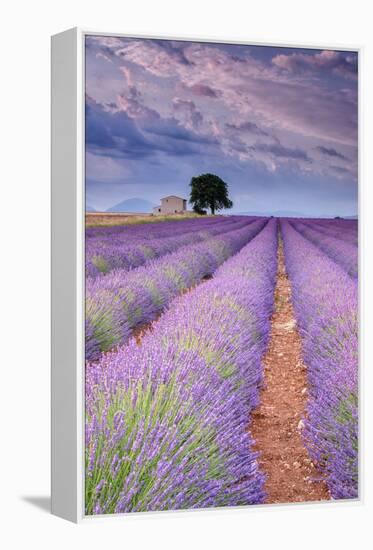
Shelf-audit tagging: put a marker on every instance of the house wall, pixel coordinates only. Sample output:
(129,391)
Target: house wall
(171,205)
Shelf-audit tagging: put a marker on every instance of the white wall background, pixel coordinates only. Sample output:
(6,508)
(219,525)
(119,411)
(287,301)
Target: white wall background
(24,270)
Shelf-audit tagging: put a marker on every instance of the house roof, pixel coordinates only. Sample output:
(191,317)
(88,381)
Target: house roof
(173,197)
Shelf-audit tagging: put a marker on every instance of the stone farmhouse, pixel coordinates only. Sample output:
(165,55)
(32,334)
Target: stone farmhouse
(171,205)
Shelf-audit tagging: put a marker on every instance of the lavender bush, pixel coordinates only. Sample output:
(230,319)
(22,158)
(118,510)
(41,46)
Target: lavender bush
(166,421)
(325,301)
(122,300)
(344,230)
(342,252)
(127,249)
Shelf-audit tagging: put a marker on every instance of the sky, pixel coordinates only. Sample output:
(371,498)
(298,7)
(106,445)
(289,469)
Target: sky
(279,125)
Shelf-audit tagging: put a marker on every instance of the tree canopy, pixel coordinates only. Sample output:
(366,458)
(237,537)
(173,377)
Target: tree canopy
(209,191)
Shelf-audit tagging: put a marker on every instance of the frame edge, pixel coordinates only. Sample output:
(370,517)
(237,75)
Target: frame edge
(66,371)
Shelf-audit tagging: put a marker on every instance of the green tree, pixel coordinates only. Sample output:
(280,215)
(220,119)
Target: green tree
(209,191)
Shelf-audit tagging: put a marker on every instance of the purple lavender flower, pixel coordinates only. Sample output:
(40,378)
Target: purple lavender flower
(167,421)
(121,300)
(325,302)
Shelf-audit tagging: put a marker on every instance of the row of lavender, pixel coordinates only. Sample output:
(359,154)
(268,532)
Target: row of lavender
(340,225)
(121,300)
(344,230)
(126,248)
(166,421)
(325,301)
(338,249)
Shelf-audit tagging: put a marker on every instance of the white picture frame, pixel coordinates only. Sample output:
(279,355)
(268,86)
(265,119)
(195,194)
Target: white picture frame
(68,225)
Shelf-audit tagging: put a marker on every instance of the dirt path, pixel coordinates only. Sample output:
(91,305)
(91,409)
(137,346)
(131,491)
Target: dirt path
(276,423)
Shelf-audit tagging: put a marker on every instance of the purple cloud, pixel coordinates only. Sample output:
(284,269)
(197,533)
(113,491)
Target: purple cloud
(138,133)
(279,151)
(327,60)
(192,116)
(203,90)
(187,104)
(244,85)
(330,152)
(249,127)
(340,170)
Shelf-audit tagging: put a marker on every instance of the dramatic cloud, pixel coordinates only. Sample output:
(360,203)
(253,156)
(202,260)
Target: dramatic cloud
(330,152)
(249,127)
(138,132)
(282,114)
(339,169)
(327,60)
(278,150)
(203,90)
(192,117)
(113,134)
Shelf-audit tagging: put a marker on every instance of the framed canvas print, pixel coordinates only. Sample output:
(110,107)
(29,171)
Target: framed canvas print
(205,274)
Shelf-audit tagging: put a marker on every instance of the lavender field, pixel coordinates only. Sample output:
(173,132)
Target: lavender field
(179,316)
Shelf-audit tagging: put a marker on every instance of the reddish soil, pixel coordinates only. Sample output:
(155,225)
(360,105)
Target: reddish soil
(139,332)
(277,422)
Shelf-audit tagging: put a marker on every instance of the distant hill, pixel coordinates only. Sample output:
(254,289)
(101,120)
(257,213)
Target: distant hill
(350,217)
(89,208)
(289,214)
(132,205)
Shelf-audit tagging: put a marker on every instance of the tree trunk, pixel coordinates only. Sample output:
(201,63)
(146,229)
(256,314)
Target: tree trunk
(212,206)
